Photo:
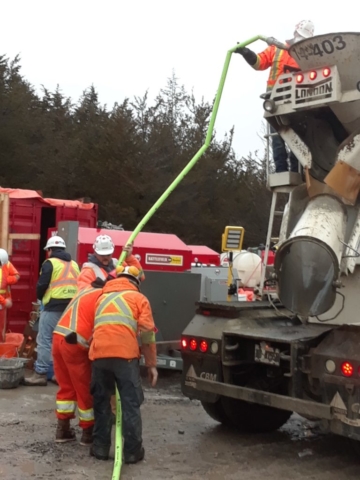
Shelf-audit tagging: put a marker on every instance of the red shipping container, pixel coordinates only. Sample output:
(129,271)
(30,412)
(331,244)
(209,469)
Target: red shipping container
(30,213)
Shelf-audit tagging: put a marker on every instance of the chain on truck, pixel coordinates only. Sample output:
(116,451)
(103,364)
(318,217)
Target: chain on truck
(251,364)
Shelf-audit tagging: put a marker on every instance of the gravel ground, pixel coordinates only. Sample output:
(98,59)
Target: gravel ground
(181,443)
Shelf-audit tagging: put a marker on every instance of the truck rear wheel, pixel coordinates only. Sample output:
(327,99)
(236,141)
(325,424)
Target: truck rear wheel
(252,417)
(215,411)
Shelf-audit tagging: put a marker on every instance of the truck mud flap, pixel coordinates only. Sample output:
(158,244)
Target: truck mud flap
(302,407)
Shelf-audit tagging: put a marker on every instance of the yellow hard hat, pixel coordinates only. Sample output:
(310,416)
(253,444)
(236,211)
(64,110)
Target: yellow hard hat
(131,272)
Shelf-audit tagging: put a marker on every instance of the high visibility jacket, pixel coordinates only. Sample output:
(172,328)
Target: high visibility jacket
(8,276)
(79,316)
(90,271)
(279,61)
(63,280)
(122,312)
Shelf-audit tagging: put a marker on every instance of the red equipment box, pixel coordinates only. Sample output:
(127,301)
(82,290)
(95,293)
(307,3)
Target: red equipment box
(155,251)
(204,255)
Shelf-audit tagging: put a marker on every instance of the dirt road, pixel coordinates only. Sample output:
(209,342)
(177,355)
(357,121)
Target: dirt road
(181,443)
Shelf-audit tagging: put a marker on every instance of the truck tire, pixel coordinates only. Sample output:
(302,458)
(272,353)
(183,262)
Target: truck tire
(252,417)
(215,411)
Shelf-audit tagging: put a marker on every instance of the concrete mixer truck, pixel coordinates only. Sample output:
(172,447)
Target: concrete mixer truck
(251,364)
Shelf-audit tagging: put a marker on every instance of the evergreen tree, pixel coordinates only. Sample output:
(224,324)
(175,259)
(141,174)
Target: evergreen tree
(124,158)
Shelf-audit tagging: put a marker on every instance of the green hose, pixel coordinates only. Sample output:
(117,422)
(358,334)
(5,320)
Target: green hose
(118,439)
(157,205)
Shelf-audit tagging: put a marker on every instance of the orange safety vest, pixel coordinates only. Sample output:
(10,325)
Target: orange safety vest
(79,316)
(121,313)
(90,271)
(279,61)
(63,280)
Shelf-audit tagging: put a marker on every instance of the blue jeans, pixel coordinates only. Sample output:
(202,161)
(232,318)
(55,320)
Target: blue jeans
(126,375)
(281,156)
(47,324)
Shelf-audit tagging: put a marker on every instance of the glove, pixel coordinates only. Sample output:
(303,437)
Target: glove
(248,55)
(128,249)
(8,303)
(240,50)
(99,282)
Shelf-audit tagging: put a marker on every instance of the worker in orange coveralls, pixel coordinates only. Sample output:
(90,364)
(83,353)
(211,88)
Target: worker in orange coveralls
(122,312)
(279,61)
(72,366)
(8,276)
(101,263)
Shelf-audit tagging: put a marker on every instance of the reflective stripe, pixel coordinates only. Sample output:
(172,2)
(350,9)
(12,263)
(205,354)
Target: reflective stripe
(64,331)
(63,284)
(86,415)
(3,282)
(275,68)
(65,278)
(72,308)
(147,337)
(122,314)
(75,305)
(65,406)
(82,341)
(96,269)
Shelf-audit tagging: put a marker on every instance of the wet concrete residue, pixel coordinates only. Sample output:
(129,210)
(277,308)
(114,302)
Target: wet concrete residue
(181,443)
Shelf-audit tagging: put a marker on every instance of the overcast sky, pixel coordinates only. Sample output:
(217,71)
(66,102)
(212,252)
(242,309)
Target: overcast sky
(127,47)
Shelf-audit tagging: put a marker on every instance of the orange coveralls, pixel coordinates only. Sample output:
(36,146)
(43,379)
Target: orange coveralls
(122,312)
(88,275)
(117,339)
(8,276)
(72,366)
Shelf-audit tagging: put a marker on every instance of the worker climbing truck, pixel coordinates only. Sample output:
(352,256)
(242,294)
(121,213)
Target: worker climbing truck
(251,364)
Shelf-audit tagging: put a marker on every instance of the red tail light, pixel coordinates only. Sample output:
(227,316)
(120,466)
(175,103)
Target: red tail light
(347,369)
(204,346)
(313,75)
(299,78)
(326,72)
(193,344)
(184,343)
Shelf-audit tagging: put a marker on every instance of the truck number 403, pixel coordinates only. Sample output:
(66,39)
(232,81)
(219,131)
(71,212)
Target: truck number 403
(208,376)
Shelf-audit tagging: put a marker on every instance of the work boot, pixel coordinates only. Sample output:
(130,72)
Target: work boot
(64,433)
(99,452)
(37,379)
(53,379)
(135,457)
(87,436)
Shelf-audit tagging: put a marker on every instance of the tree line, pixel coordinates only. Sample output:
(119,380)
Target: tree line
(124,158)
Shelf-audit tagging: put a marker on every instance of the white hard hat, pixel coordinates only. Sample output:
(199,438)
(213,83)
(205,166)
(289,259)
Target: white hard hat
(4,257)
(131,272)
(305,28)
(55,242)
(104,245)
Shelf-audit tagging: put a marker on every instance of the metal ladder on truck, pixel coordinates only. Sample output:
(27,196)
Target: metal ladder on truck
(278,183)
